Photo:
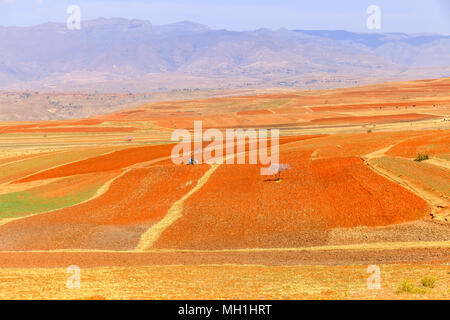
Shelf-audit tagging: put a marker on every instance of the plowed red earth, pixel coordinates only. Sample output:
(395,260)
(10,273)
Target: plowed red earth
(115,220)
(286,119)
(225,121)
(121,159)
(47,160)
(69,130)
(431,256)
(83,122)
(113,161)
(253,112)
(237,208)
(375,119)
(348,145)
(426,175)
(72,185)
(382,105)
(4,161)
(435,143)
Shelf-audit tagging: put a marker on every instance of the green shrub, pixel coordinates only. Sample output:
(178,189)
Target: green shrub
(407,286)
(429,282)
(421,157)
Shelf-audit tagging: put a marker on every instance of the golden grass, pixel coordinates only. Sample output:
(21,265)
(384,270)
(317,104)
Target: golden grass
(226,282)
(359,246)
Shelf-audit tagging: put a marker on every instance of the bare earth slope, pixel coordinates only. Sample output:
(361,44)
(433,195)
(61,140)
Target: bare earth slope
(103,194)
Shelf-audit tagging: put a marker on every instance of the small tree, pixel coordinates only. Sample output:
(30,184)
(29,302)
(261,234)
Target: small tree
(277,169)
(421,157)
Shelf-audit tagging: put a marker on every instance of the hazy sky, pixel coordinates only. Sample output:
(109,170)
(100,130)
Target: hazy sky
(410,16)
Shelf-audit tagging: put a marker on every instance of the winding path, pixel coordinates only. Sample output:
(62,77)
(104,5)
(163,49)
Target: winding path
(439,205)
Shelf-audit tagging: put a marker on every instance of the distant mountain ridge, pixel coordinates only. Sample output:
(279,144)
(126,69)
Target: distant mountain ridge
(134,55)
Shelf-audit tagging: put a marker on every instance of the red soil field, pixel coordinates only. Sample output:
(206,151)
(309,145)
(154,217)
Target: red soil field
(18,158)
(253,112)
(374,119)
(121,159)
(115,220)
(434,257)
(382,105)
(28,127)
(332,196)
(434,143)
(296,109)
(238,208)
(82,122)
(283,117)
(188,122)
(349,145)
(5,129)
(428,176)
(57,194)
(47,160)
(69,130)
(224,121)
(70,185)
(292,110)
(113,161)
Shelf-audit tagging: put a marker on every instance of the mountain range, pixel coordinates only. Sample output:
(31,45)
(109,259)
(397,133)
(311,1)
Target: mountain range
(133,55)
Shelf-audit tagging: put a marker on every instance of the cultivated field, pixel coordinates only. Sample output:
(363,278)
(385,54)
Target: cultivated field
(102,194)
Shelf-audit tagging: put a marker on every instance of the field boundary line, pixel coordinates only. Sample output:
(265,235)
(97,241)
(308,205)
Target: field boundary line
(100,191)
(175,212)
(61,165)
(344,247)
(29,158)
(437,204)
(382,152)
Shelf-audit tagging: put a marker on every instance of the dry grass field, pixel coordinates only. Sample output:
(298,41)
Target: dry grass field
(227,282)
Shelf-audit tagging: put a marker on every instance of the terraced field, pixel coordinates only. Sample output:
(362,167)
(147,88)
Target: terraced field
(297,211)
(435,144)
(434,177)
(54,195)
(85,193)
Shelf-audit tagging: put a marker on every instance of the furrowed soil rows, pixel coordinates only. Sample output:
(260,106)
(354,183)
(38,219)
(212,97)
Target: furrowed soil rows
(432,177)
(375,119)
(71,130)
(113,161)
(30,166)
(114,220)
(59,194)
(349,145)
(435,143)
(238,208)
(10,160)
